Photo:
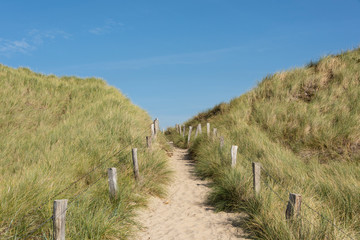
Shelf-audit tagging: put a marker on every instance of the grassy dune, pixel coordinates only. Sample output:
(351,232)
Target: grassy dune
(55,130)
(303,126)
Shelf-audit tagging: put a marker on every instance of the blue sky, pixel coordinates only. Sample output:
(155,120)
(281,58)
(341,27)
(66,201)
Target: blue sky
(175,58)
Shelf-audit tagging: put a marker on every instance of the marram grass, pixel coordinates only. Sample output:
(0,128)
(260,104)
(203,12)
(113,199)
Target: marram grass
(302,125)
(55,130)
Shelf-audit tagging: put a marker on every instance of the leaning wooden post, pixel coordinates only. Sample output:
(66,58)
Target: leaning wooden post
(59,217)
(113,187)
(256,167)
(221,142)
(199,128)
(189,136)
(135,164)
(156,126)
(152,131)
(214,132)
(148,141)
(196,132)
(293,207)
(184,131)
(208,129)
(233,155)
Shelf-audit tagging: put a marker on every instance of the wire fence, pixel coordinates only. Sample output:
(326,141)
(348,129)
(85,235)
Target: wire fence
(102,161)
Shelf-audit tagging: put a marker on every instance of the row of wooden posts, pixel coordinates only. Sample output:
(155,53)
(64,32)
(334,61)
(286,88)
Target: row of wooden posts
(60,206)
(293,207)
(182,128)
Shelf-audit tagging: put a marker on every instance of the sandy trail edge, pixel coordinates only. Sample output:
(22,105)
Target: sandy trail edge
(183,215)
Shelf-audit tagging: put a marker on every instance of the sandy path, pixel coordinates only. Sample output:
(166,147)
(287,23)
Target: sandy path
(183,215)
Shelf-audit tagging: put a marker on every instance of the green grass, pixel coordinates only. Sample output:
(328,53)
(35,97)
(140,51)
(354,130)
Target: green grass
(303,126)
(52,132)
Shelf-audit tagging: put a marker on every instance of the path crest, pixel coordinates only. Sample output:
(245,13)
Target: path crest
(183,214)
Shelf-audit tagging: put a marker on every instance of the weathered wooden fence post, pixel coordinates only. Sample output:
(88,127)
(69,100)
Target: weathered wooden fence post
(293,207)
(208,129)
(196,132)
(233,155)
(156,126)
(59,218)
(256,167)
(177,127)
(180,129)
(221,142)
(184,131)
(199,127)
(148,142)
(214,132)
(189,136)
(152,131)
(135,164)
(113,187)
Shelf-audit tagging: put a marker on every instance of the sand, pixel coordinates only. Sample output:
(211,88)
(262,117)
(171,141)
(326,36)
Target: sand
(183,214)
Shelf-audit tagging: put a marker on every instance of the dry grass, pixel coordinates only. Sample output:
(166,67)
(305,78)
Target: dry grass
(303,126)
(52,132)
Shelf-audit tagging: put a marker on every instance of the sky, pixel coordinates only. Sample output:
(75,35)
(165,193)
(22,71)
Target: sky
(175,58)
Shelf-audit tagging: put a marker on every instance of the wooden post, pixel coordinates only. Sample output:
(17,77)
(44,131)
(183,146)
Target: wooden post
(293,207)
(233,155)
(208,129)
(59,217)
(256,167)
(184,131)
(148,142)
(153,131)
(113,187)
(180,129)
(215,132)
(156,126)
(199,127)
(221,142)
(135,164)
(189,136)
(177,127)
(196,132)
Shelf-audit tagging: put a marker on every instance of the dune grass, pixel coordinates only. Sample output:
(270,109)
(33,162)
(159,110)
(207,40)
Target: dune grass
(53,131)
(302,125)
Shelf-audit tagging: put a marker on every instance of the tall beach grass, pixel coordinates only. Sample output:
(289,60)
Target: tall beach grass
(302,125)
(54,131)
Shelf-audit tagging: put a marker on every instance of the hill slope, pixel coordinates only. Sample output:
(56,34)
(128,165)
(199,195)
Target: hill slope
(303,126)
(57,138)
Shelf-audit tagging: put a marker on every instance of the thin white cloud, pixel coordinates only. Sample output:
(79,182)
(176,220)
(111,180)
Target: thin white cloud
(7,47)
(30,42)
(37,37)
(175,59)
(109,26)
(97,30)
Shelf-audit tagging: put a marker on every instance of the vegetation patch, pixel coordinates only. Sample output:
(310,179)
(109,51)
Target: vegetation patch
(58,136)
(302,126)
